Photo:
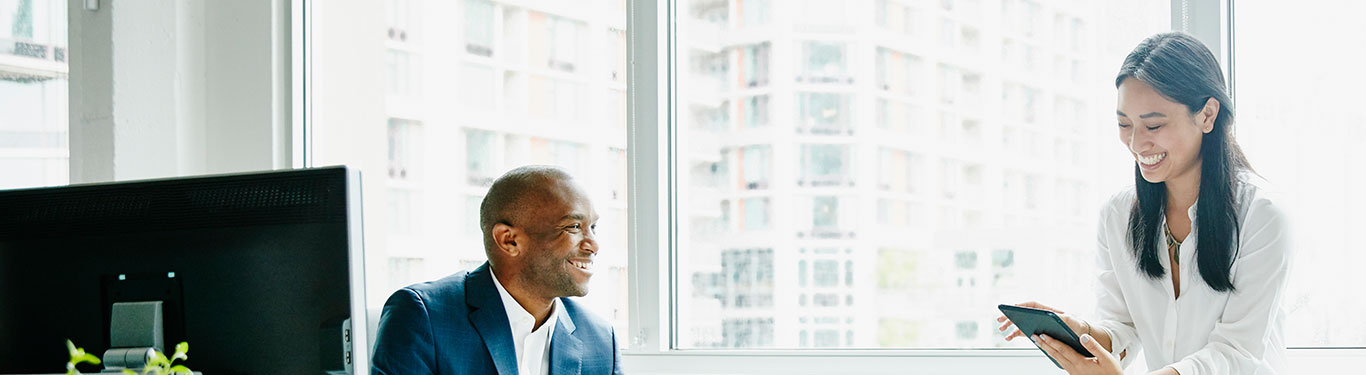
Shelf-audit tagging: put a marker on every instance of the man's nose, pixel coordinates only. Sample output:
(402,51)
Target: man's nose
(590,242)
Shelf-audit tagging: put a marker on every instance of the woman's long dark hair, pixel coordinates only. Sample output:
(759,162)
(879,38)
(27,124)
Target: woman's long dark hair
(1183,70)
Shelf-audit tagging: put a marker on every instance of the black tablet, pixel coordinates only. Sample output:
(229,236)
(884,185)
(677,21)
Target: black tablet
(1043,322)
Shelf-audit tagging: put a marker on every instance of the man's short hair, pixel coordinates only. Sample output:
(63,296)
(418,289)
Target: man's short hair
(507,200)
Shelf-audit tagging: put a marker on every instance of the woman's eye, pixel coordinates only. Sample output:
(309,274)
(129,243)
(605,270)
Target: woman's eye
(1154,127)
(1123,125)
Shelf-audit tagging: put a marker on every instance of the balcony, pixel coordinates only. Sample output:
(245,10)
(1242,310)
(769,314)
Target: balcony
(825,181)
(825,129)
(30,61)
(825,79)
(825,233)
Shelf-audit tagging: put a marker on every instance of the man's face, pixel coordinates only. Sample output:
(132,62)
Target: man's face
(559,257)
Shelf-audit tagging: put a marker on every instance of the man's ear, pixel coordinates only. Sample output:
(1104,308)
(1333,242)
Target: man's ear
(1208,114)
(505,240)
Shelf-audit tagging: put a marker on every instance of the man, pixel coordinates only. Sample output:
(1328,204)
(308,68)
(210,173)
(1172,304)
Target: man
(507,316)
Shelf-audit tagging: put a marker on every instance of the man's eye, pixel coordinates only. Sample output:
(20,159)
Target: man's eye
(574,227)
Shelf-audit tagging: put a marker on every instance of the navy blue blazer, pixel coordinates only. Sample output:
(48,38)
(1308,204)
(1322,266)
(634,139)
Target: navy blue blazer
(457,325)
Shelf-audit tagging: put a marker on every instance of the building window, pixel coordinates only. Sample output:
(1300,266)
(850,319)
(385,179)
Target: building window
(753,63)
(405,149)
(966,260)
(824,62)
(754,110)
(824,113)
(825,273)
(755,214)
(755,167)
(752,12)
(967,330)
(480,162)
(479,27)
(825,165)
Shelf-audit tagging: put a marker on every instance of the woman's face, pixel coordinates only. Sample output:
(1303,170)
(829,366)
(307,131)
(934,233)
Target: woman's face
(1162,135)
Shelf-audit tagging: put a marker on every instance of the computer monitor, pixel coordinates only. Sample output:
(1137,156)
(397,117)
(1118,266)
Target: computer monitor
(255,271)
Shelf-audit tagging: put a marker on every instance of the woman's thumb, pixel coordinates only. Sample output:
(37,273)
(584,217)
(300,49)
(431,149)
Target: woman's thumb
(1094,347)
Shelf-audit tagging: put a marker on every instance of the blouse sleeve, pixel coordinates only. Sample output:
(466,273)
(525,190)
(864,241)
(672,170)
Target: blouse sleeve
(1111,309)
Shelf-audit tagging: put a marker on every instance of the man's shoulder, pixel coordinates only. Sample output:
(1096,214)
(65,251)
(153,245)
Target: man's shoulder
(444,293)
(585,319)
(446,286)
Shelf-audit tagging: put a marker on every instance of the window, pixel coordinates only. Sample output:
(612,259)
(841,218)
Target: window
(479,27)
(896,72)
(824,62)
(824,113)
(554,42)
(1316,171)
(752,12)
(754,110)
(33,94)
(958,135)
(755,166)
(825,165)
(753,61)
(405,149)
(472,89)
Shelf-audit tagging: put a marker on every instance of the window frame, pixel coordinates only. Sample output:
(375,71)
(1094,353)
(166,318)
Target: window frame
(652,343)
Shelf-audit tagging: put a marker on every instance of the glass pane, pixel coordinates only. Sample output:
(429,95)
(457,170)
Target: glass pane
(33,94)
(475,88)
(1303,133)
(888,157)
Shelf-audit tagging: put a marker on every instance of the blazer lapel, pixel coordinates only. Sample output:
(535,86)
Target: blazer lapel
(490,319)
(566,350)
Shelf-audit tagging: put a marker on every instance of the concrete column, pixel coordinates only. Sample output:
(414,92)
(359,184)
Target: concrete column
(162,88)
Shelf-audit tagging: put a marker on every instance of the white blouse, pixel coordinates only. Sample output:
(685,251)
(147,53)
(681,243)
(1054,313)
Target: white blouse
(1204,331)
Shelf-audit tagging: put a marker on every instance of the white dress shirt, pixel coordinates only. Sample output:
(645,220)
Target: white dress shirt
(532,346)
(1204,331)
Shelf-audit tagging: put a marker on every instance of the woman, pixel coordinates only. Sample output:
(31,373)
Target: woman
(1193,260)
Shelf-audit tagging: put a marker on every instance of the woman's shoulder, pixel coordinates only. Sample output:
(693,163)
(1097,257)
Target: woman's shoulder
(1257,196)
(1122,200)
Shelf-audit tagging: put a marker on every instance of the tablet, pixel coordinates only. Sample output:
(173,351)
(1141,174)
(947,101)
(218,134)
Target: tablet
(1043,322)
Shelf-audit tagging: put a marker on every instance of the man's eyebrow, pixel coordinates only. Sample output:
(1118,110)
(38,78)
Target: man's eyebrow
(573,217)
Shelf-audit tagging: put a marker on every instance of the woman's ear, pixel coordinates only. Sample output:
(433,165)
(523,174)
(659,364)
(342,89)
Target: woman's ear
(1208,115)
(505,240)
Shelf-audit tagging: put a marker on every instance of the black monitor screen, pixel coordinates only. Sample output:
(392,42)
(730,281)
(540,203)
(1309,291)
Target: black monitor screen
(254,271)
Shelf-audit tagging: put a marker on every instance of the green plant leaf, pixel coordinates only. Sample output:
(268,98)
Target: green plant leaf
(129,372)
(181,370)
(157,360)
(89,358)
(71,349)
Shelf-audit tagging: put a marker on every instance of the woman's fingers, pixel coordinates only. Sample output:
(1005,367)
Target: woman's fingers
(1036,305)
(1006,324)
(1052,352)
(1060,352)
(1101,354)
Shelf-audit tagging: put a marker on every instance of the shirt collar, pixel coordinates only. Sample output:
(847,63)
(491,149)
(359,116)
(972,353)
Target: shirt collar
(518,317)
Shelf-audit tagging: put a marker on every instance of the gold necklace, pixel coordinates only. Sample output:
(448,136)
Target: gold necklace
(1173,245)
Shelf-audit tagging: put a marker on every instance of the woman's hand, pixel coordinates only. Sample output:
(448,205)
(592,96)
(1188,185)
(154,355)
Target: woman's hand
(1076,364)
(1077,325)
